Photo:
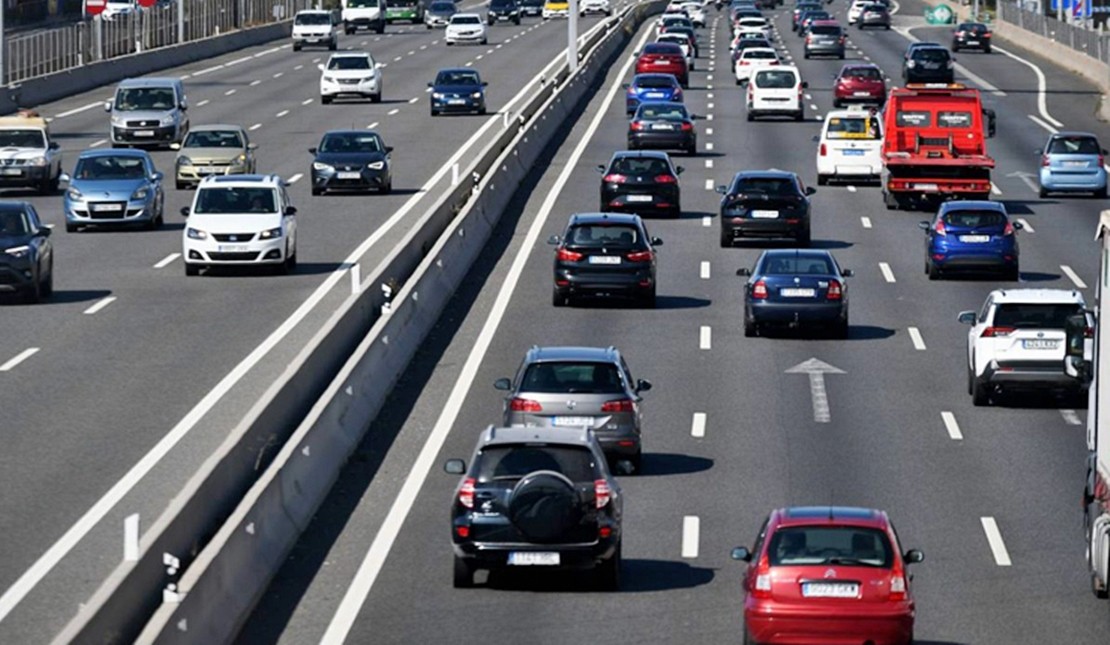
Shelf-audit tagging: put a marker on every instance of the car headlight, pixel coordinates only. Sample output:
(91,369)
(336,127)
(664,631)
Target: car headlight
(437,95)
(38,161)
(329,79)
(476,95)
(376,165)
(196,234)
(184,161)
(117,120)
(316,165)
(240,160)
(270,234)
(166,120)
(74,194)
(140,194)
(911,64)
(19,252)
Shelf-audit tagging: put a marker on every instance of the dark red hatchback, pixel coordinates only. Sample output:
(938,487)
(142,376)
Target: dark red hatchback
(859,84)
(664,58)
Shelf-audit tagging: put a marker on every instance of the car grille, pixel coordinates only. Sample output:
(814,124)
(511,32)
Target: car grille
(142,124)
(9,277)
(245,256)
(233,237)
(349,81)
(214,163)
(12,162)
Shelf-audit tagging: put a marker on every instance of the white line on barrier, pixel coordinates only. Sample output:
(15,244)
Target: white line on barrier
(99,305)
(164,262)
(18,358)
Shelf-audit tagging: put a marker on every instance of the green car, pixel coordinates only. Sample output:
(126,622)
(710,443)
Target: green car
(409,10)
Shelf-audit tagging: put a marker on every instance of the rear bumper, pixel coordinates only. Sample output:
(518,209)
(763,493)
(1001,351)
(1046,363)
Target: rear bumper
(739,227)
(929,76)
(777,625)
(824,50)
(495,555)
(996,259)
(663,140)
(798,312)
(1094,179)
(661,202)
(632,284)
(1027,376)
(983,44)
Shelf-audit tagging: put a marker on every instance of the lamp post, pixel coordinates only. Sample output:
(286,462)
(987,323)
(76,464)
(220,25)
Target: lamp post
(572,36)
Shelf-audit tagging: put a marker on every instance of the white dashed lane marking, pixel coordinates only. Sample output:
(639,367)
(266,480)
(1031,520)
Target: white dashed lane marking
(704,271)
(1071,418)
(166,261)
(888,275)
(102,303)
(865,221)
(18,358)
(255,127)
(392,112)
(705,337)
(306,101)
(915,337)
(994,538)
(951,426)
(281,114)
(97,143)
(691,528)
(697,426)
(1072,276)
(230,92)
(203,103)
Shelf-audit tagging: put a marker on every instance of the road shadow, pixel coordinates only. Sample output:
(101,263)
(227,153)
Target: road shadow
(830,245)
(59,297)
(681,302)
(658,464)
(364,193)
(695,215)
(637,576)
(787,243)
(855,332)
(272,270)
(1035,276)
(1020,207)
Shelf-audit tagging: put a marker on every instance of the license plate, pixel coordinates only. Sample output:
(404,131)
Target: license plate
(348,175)
(11,172)
(830,590)
(925,186)
(661,62)
(577,422)
(144,133)
(1040,344)
(797,293)
(765,214)
(653,95)
(107,208)
(861,93)
(533,559)
(605,259)
(975,239)
(208,171)
(1075,164)
(972,42)
(233,248)
(456,101)
(853,153)
(661,126)
(639,198)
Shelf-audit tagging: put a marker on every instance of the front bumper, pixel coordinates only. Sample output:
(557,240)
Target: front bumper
(1078,180)
(1028,375)
(160,134)
(968,258)
(16,277)
(23,175)
(801,312)
(774,108)
(108,212)
(367,180)
(492,17)
(464,105)
(662,140)
(212,252)
(368,87)
(303,40)
(825,50)
(972,43)
(596,8)
(772,623)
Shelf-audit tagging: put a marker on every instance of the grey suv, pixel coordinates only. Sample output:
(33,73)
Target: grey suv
(536,498)
(575,387)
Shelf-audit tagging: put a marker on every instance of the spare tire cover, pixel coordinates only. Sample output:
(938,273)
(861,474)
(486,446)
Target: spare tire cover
(545,507)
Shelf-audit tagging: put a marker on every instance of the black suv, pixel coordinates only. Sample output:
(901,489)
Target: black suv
(26,254)
(536,498)
(641,182)
(928,65)
(503,10)
(532,7)
(768,203)
(604,255)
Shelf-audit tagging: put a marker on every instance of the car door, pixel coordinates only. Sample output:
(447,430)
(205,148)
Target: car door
(42,241)
(155,180)
(976,331)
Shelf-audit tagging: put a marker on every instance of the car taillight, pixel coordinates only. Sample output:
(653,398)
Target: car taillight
(1045,161)
(525,405)
(996,332)
(686,127)
(822,151)
(898,582)
(842,40)
(677,96)
(959,34)
(617,405)
(666,179)
(762,586)
(466,492)
(834,292)
(636,125)
(939,228)
(602,493)
(759,290)
(1101,161)
(744,62)
(809,39)
(567,255)
(1009,230)
(986,35)
(640,256)
(614,178)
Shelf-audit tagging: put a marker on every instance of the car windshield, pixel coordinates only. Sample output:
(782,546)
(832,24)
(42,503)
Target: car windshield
(350,142)
(130,99)
(639,166)
(466,20)
(362,4)
(656,82)
(662,112)
(312,19)
(349,62)
(110,168)
(22,139)
(572,378)
(868,73)
(457,78)
(1074,146)
(516,461)
(776,80)
(442,7)
(238,199)
(825,30)
(852,127)
(974,218)
(213,139)
(1039,316)
(818,545)
(797,264)
(13,223)
(502,4)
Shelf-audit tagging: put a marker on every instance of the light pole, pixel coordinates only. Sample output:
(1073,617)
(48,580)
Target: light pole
(572,36)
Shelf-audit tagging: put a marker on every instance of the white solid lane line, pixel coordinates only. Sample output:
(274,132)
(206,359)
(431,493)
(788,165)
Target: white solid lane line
(697,426)
(1071,418)
(1025,225)
(166,261)
(1042,101)
(705,337)
(888,275)
(104,302)
(951,426)
(704,270)
(915,337)
(18,358)
(994,538)
(691,530)
(865,221)
(1072,276)
(1041,123)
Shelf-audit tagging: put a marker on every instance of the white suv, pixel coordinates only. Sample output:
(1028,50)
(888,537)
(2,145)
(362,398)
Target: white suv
(240,220)
(1016,341)
(856,10)
(350,74)
(315,27)
(595,6)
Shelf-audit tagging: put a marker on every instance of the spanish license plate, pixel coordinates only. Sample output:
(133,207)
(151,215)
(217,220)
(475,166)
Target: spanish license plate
(1039,343)
(577,422)
(830,590)
(861,93)
(11,172)
(853,153)
(348,175)
(797,293)
(661,126)
(972,42)
(765,214)
(639,198)
(605,259)
(456,101)
(662,62)
(534,559)
(233,248)
(925,186)
(144,133)
(1075,164)
(107,208)
(975,239)
(653,95)
(208,171)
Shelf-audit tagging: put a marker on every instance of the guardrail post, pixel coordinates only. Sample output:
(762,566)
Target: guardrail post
(3,47)
(180,21)
(98,38)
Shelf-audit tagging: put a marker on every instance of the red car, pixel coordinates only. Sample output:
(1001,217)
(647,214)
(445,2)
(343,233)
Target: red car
(859,84)
(829,575)
(664,58)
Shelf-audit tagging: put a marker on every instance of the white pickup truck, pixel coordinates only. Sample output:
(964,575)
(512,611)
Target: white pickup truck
(29,158)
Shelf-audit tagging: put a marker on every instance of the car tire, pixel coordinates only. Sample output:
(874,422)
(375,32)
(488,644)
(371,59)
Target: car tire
(970,381)
(381,28)
(801,116)
(388,188)
(739,82)
(979,395)
(751,328)
(463,574)
(807,55)
(608,573)
(376,98)
(637,462)
(482,111)
(192,269)
(987,50)
(44,186)
(296,47)
(33,294)
(822,180)
(933,271)
(726,240)
(449,43)
(428,26)
(1042,193)
(1013,274)
(841,56)
(1100,193)
(290,264)
(433,112)
(841,330)
(805,239)
(692,150)
(887,27)
(837,104)
(485,41)
(181,185)
(333,45)
(71,228)
(326,100)
(648,300)
(559,299)
(750,116)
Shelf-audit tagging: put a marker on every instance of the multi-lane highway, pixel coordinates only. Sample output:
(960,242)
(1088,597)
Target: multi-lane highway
(990,494)
(117,388)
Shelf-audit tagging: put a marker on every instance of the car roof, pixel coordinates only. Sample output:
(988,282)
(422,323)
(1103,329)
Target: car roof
(1043,296)
(156,81)
(1063,134)
(640,154)
(492,436)
(831,516)
(232,181)
(765,174)
(609,218)
(457,69)
(971,204)
(802,253)
(114,152)
(609,354)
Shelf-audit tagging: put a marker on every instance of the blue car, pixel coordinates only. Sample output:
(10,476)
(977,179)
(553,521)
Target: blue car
(458,90)
(1073,162)
(796,288)
(971,236)
(114,187)
(651,87)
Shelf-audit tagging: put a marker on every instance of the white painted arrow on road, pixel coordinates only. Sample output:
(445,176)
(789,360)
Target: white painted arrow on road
(817,369)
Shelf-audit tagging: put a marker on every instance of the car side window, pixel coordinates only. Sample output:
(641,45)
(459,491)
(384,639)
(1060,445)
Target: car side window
(986,310)
(757,548)
(627,372)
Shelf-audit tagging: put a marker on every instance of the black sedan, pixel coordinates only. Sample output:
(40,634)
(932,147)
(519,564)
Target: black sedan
(663,125)
(796,288)
(458,90)
(604,255)
(351,160)
(640,182)
(26,253)
(766,204)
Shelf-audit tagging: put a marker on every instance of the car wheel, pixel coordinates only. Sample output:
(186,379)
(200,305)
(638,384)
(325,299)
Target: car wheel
(33,294)
(1100,193)
(316,192)
(934,271)
(648,300)
(71,228)
(449,43)
(485,41)
(739,82)
(48,283)
(837,103)
(807,55)
(433,112)
(822,180)
(987,50)
(726,240)
(333,45)
(464,574)
(181,185)
(192,269)
(1013,274)
(376,98)
(44,186)
(887,27)
(388,188)
(841,56)
(805,238)
(559,299)
(608,573)
(326,100)
(296,47)
(750,116)
(1042,192)
(290,264)
(841,330)
(801,116)
(751,328)
(637,462)
(428,26)
(56,181)
(482,111)
(979,394)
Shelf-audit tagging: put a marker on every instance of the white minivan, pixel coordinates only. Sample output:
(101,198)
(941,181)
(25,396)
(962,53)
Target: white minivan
(850,146)
(776,91)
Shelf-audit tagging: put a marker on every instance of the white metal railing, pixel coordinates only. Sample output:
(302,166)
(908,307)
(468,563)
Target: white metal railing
(1092,42)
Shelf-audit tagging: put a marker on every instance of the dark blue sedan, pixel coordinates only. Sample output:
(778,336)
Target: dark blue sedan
(796,288)
(971,236)
(458,90)
(651,87)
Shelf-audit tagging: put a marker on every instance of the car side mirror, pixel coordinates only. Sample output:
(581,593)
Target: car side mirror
(454,467)
(503,384)
(321,67)
(45,231)
(625,86)
(745,272)
(290,210)
(1078,348)
(679,170)
(485,84)
(183,105)
(175,146)
(847,273)
(694,117)
(810,190)
(388,149)
(966,317)
(657,241)
(54,145)
(157,176)
(722,190)
(601,168)
(107,106)
(924,225)
(63,178)
(252,146)
(816,138)
(914,556)
(554,240)
(185,211)
(643,386)
(805,84)
(1104,152)
(431,84)
(742,554)
(312,151)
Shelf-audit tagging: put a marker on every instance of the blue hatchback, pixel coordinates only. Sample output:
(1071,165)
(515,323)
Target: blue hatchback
(458,90)
(651,87)
(1073,162)
(971,236)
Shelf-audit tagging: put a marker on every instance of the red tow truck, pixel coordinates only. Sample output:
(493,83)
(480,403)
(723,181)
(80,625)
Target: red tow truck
(935,145)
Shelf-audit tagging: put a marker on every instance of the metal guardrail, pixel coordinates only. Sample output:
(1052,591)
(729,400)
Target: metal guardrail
(47,51)
(1091,42)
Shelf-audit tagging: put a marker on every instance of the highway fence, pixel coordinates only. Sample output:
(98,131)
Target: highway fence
(1092,42)
(67,47)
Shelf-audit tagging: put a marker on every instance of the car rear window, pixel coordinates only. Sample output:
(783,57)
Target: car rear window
(931,54)
(767,185)
(869,73)
(516,461)
(656,81)
(776,80)
(797,265)
(760,53)
(1074,146)
(1038,315)
(663,48)
(572,377)
(852,127)
(816,545)
(974,218)
(594,235)
(662,111)
(637,166)
(874,7)
(825,30)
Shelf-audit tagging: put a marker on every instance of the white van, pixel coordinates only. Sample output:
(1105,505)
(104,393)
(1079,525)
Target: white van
(776,91)
(850,146)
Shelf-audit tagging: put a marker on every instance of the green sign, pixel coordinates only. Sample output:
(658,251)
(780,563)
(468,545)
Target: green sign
(940,15)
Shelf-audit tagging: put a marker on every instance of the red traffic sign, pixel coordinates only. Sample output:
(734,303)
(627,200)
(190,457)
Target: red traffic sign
(95,7)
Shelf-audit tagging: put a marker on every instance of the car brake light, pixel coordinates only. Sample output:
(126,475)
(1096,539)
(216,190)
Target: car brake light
(566,255)
(1045,161)
(759,290)
(1009,230)
(822,151)
(762,586)
(636,125)
(466,493)
(602,493)
(809,39)
(842,40)
(614,178)
(744,62)
(1101,161)
(525,405)
(996,332)
(666,179)
(898,582)
(686,127)
(617,405)
(834,292)
(986,35)
(463,531)
(939,228)
(640,256)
